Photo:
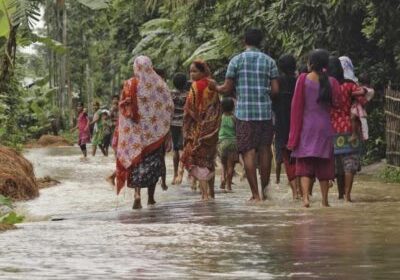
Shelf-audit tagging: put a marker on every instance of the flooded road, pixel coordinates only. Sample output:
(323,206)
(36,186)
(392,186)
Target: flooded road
(82,230)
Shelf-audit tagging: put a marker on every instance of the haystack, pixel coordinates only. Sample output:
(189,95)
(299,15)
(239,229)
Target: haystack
(53,141)
(17,179)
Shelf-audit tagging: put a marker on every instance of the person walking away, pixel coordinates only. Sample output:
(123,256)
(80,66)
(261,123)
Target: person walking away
(254,76)
(96,122)
(227,149)
(281,105)
(106,127)
(201,121)
(179,97)
(83,129)
(347,151)
(360,98)
(311,132)
(146,110)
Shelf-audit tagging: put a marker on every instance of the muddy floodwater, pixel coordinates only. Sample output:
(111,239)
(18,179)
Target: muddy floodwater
(81,230)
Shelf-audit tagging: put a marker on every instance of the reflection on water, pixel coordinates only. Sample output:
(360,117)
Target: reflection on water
(96,235)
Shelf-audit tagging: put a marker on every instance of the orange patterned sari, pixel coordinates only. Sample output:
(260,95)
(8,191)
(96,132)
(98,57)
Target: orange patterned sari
(202,119)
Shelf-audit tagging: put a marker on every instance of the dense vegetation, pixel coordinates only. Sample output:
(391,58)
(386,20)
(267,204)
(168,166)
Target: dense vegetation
(86,48)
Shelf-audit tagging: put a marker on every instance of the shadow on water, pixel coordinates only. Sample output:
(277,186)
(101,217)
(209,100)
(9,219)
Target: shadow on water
(86,232)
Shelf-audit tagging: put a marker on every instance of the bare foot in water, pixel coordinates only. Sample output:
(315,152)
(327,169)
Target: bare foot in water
(348,199)
(137,204)
(306,202)
(325,204)
(164,186)
(151,202)
(111,179)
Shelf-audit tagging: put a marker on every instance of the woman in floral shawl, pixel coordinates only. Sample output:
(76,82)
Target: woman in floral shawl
(201,122)
(146,108)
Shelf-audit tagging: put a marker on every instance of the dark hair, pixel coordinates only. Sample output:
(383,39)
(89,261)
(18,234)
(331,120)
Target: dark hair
(180,81)
(227,105)
(96,103)
(364,79)
(253,37)
(318,61)
(202,66)
(335,69)
(81,104)
(287,64)
(160,72)
(303,69)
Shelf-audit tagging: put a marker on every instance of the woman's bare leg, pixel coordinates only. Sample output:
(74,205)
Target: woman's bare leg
(293,186)
(137,204)
(324,192)
(211,187)
(176,166)
(305,186)
(265,161)
(348,185)
(223,176)
(151,190)
(340,185)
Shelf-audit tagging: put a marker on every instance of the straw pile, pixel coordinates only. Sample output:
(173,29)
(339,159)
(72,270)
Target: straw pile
(17,179)
(53,141)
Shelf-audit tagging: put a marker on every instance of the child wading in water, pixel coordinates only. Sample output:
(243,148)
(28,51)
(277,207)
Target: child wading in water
(83,128)
(281,105)
(311,131)
(227,149)
(179,97)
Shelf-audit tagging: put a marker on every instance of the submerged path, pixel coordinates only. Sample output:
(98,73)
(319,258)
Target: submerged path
(81,230)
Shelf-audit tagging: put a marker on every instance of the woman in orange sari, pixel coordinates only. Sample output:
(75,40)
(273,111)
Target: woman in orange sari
(201,123)
(146,108)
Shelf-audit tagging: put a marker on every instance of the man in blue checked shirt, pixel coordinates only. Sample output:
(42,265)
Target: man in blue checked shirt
(254,75)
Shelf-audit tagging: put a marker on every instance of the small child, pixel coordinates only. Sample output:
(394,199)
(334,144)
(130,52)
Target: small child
(358,112)
(83,128)
(227,149)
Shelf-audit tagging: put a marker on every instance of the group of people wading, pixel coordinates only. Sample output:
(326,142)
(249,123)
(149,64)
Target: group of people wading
(317,118)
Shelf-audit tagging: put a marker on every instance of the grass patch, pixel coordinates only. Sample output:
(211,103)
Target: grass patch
(390,174)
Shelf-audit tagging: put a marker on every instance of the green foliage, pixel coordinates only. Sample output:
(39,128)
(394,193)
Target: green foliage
(9,217)
(391,174)
(5,201)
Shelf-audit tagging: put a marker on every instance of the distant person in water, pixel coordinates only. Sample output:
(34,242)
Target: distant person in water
(106,132)
(96,122)
(146,109)
(83,128)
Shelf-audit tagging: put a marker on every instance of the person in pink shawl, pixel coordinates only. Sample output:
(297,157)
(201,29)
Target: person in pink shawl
(83,129)
(146,110)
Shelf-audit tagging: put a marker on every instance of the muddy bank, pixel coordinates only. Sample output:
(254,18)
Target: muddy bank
(17,178)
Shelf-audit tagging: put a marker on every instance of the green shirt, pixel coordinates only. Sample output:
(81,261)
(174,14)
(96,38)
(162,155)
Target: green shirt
(227,129)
